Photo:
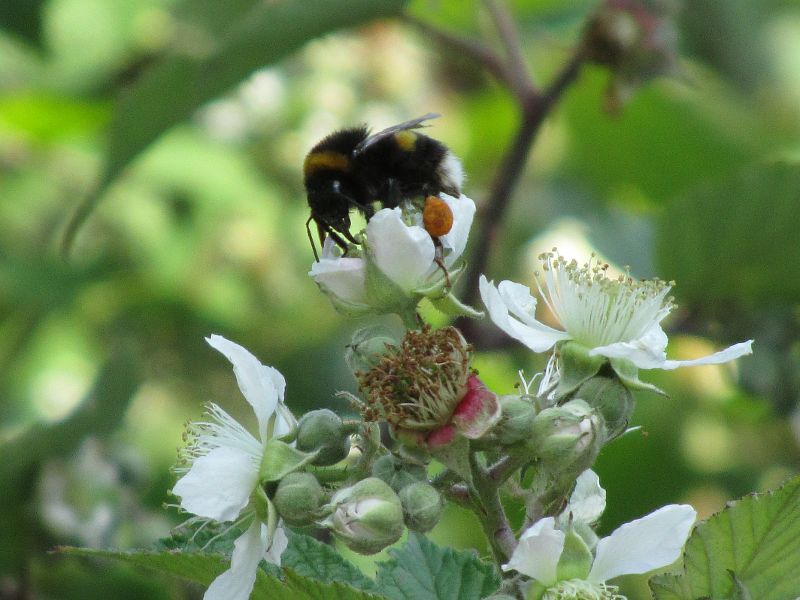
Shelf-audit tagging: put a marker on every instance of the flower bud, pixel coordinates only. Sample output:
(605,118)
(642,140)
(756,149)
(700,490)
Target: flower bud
(396,473)
(322,430)
(516,422)
(422,506)
(298,497)
(567,437)
(613,399)
(367,346)
(636,40)
(367,517)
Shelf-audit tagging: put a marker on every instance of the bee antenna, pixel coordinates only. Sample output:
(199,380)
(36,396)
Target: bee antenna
(311,238)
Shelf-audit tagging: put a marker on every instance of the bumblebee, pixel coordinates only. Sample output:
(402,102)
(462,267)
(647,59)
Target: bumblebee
(351,169)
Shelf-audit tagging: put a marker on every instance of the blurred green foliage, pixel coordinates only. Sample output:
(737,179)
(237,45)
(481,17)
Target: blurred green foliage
(102,356)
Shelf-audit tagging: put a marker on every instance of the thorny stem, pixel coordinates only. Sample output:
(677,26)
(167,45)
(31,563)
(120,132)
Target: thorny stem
(518,70)
(534,111)
(512,72)
(493,516)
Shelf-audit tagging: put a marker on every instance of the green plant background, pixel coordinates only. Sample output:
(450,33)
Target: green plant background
(102,358)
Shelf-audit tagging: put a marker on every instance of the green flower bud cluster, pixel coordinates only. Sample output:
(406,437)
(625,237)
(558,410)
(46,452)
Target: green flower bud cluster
(567,438)
(422,506)
(322,431)
(517,420)
(298,497)
(367,516)
(396,473)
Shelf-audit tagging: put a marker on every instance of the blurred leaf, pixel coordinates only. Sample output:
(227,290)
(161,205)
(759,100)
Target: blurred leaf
(22,17)
(99,414)
(204,568)
(48,117)
(749,550)
(211,63)
(659,145)
(421,570)
(310,558)
(735,240)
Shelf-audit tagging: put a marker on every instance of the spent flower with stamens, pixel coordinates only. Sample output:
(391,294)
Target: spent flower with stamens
(611,317)
(426,386)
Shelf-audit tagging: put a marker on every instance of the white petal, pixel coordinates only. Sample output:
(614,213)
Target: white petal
(219,484)
(403,253)
(237,582)
(588,500)
(344,277)
(256,381)
(723,356)
(463,209)
(648,352)
(645,544)
(538,551)
(277,545)
(284,421)
(535,335)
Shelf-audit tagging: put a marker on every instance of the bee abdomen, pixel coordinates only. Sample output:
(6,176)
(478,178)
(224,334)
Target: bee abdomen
(451,174)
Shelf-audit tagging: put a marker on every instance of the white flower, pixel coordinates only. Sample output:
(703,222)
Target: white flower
(404,253)
(220,479)
(615,318)
(649,543)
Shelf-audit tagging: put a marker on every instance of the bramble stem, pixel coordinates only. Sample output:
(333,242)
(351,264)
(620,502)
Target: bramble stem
(493,516)
(534,105)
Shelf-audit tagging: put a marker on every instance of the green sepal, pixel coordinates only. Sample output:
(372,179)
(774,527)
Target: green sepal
(576,367)
(280,459)
(576,558)
(535,591)
(455,456)
(384,294)
(628,374)
(453,307)
(612,398)
(261,503)
(439,286)
(345,308)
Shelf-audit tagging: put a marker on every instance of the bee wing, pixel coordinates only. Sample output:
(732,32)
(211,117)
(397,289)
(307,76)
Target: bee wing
(412,124)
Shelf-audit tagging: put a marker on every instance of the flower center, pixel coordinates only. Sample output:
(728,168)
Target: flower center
(418,384)
(595,309)
(577,589)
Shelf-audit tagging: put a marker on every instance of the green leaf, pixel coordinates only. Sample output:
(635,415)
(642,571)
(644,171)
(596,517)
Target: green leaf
(310,558)
(421,570)
(204,568)
(23,17)
(735,240)
(211,62)
(749,550)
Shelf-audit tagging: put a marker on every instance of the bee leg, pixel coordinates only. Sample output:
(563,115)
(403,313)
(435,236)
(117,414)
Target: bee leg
(341,242)
(438,258)
(311,239)
(393,196)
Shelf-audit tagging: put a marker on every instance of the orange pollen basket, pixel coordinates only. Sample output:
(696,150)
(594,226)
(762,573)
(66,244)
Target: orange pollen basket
(437,216)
